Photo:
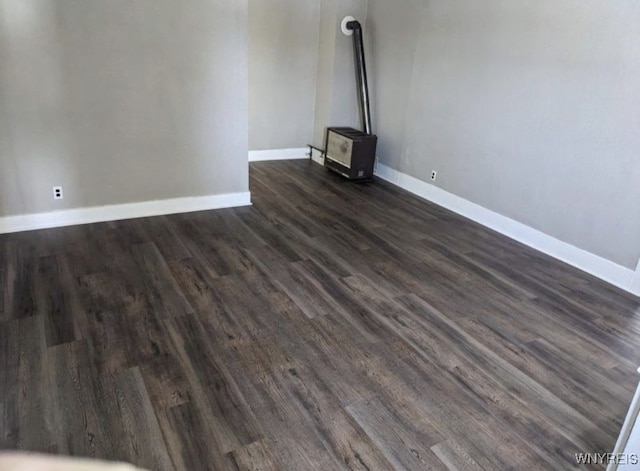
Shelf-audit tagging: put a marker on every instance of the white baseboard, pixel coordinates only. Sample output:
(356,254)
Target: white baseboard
(635,284)
(606,270)
(72,217)
(278,154)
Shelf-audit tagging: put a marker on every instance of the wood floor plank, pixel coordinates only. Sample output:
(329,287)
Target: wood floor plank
(151,349)
(189,439)
(455,457)
(23,393)
(107,322)
(163,293)
(307,294)
(405,445)
(291,436)
(140,438)
(254,457)
(4,273)
(165,234)
(339,433)
(471,355)
(76,412)
(109,416)
(19,280)
(211,387)
(471,420)
(411,329)
(199,285)
(58,301)
(548,369)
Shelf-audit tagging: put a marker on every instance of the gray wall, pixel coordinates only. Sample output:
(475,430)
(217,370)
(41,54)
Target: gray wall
(336,94)
(527,108)
(301,75)
(121,101)
(283,57)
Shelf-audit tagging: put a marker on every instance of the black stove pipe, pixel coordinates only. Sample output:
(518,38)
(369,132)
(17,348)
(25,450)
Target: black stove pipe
(361,74)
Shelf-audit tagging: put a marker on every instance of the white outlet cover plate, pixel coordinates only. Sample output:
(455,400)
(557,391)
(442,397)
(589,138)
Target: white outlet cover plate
(346,31)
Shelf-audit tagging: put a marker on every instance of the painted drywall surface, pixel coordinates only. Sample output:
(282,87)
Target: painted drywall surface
(326,54)
(283,58)
(121,101)
(9,188)
(344,111)
(392,36)
(526,108)
(336,95)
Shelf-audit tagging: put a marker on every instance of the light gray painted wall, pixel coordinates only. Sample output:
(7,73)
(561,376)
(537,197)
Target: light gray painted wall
(391,35)
(336,97)
(121,101)
(283,59)
(326,56)
(527,108)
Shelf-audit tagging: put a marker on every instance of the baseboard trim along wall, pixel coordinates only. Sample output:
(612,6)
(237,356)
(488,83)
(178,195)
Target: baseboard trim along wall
(606,270)
(278,154)
(72,217)
(635,284)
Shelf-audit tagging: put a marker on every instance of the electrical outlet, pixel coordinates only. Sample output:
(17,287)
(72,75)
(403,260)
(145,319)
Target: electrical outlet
(57,193)
(434,175)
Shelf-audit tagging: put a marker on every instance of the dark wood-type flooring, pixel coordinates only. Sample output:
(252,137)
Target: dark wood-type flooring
(330,326)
